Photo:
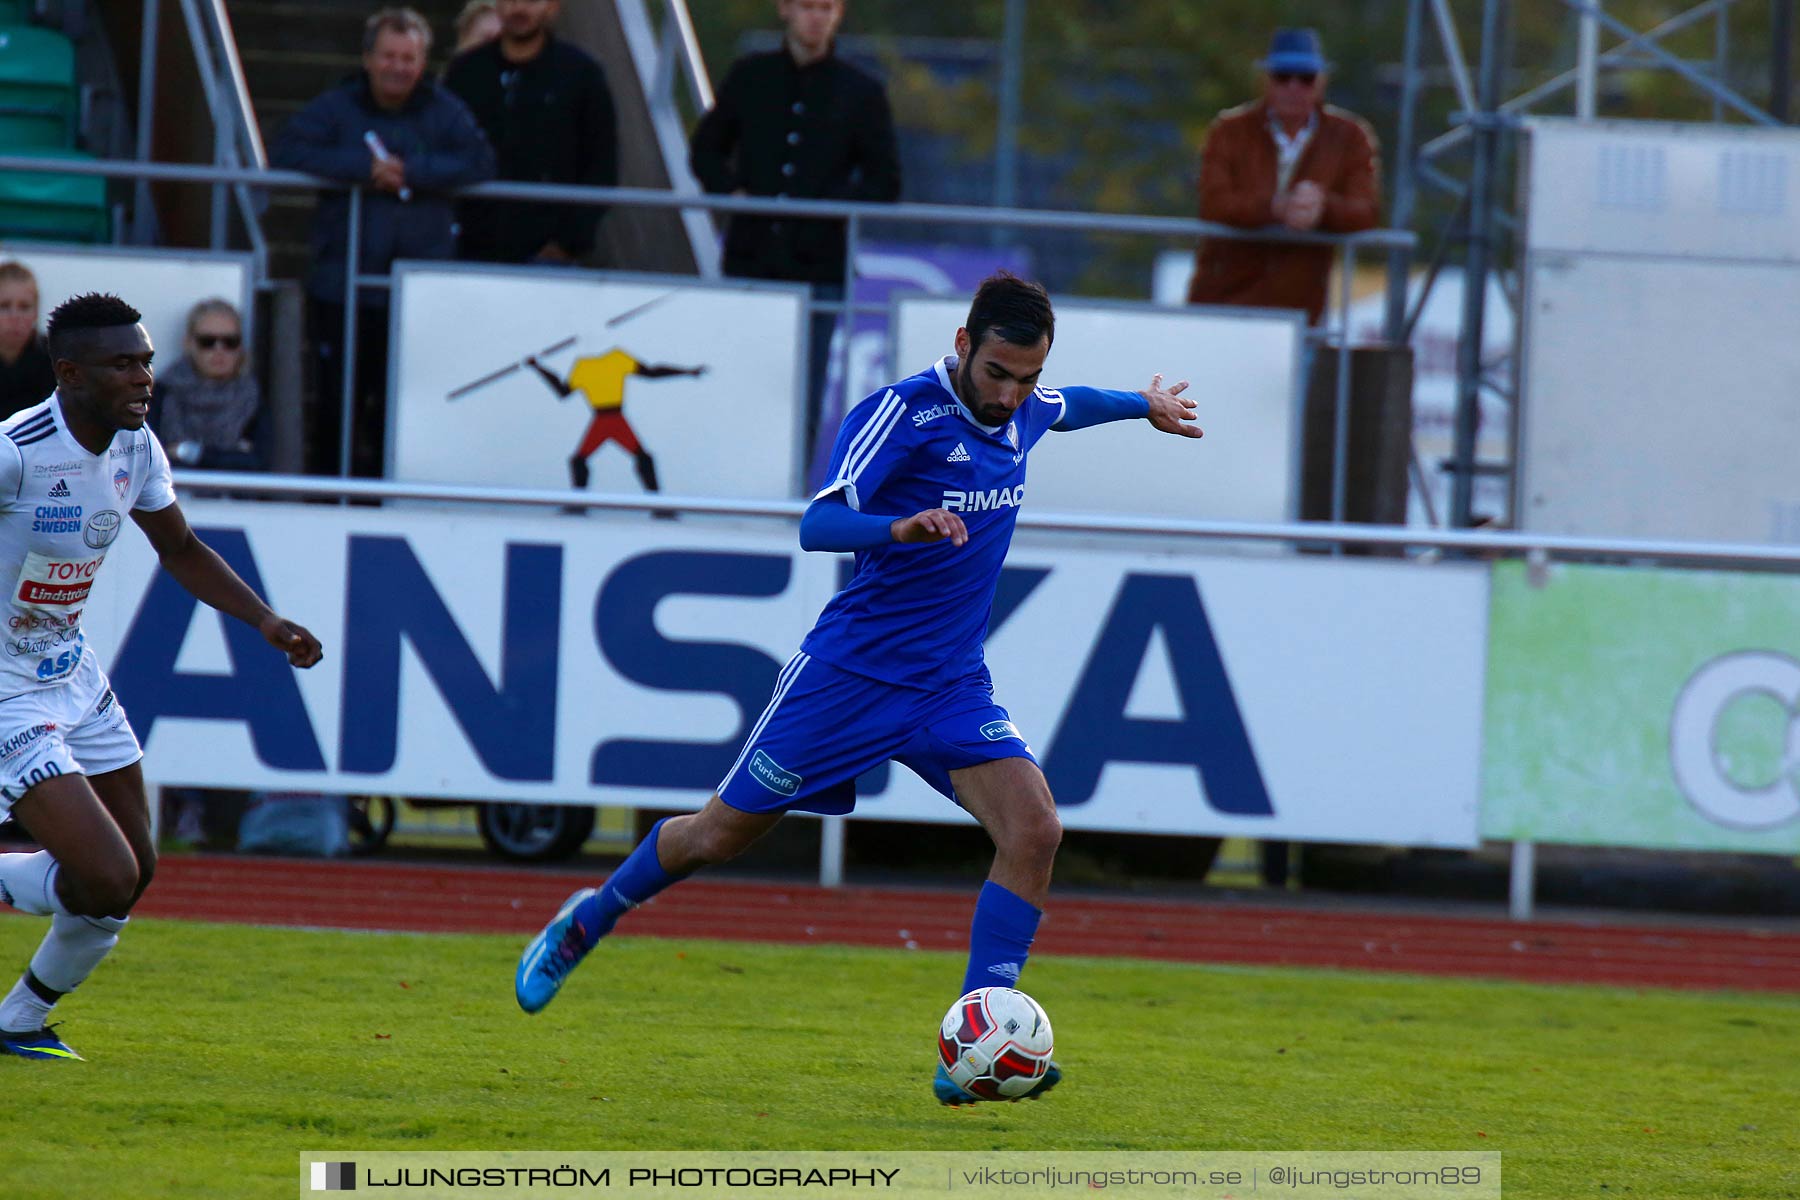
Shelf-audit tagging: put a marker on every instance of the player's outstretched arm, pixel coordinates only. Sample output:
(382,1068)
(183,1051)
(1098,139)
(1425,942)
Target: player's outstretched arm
(1170,411)
(1165,408)
(199,569)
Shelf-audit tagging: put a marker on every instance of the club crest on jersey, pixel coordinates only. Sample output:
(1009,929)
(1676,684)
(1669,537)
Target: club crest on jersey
(60,490)
(121,481)
(1012,433)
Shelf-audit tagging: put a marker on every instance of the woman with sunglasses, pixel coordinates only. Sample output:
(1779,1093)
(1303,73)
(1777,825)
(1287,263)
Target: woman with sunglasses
(205,407)
(1291,161)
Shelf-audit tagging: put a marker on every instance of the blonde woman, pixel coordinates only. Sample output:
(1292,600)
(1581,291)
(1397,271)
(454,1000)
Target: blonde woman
(26,375)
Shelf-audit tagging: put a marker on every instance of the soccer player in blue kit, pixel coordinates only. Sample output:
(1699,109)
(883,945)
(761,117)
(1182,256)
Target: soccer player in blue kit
(926,482)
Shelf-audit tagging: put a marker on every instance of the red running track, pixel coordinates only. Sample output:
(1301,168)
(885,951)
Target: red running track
(432,899)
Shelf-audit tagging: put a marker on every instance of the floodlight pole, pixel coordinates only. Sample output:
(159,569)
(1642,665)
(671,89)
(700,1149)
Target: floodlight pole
(1587,63)
(1006,133)
(1482,230)
(1781,60)
(1405,187)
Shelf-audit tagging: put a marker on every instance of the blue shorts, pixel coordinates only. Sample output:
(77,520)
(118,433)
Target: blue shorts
(825,726)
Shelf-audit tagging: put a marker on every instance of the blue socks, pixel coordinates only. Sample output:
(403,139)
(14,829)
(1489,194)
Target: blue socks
(999,939)
(1000,936)
(637,879)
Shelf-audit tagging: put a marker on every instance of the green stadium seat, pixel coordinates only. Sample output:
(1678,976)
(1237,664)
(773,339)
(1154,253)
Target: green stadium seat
(38,96)
(15,12)
(54,208)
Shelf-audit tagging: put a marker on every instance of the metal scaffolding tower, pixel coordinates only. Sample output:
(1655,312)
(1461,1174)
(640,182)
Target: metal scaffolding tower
(1480,135)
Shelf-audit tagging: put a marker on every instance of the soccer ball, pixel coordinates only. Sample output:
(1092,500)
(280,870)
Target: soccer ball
(995,1043)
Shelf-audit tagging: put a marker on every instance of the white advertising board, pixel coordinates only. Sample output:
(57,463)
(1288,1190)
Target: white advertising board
(1243,365)
(1658,364)
(466,408)
(161,284)
(548,659)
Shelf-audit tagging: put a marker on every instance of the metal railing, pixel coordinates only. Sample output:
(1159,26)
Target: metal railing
(1435,545)
(1393,246)
(659,60)
(237,137)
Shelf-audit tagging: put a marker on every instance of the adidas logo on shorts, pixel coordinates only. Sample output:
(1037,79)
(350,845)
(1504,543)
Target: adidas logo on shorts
(61,490)
(960,454)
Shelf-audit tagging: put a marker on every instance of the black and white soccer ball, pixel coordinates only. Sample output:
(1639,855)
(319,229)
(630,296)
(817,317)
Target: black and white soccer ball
(995,1043)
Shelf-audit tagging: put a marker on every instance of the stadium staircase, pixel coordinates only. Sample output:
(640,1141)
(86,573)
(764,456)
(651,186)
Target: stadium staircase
(292,51)
(295,49)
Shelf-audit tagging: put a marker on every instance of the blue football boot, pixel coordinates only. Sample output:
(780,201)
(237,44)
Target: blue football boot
(949,1092)
(39,1043)
(552,954)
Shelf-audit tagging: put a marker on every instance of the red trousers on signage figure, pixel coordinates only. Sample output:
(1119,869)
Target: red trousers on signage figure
(611,426)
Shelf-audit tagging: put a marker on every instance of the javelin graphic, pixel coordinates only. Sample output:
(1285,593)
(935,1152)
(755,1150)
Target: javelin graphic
(646,306)
(503,372)
(612,323)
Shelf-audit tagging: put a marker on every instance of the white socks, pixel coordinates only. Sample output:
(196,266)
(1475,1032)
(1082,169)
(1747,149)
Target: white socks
(28,883)
(23,1010)
(70,952)
(73,948)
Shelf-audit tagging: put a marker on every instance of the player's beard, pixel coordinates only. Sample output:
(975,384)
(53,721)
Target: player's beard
(971,399)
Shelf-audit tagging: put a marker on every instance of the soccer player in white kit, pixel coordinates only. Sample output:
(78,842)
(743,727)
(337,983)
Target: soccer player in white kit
(70,468)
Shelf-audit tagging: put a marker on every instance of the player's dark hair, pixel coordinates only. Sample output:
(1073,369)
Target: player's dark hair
(75,316)
(1016,310)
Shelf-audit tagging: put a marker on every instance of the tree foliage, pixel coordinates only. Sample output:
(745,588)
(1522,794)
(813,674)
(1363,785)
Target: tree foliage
(1117,94)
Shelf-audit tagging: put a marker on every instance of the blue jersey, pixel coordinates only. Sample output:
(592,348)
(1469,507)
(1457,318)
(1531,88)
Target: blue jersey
(917,615)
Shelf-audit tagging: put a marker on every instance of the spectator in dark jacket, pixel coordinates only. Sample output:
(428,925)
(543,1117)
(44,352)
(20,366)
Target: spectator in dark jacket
(408,142)
(798,122)
(26,375)
(546,108)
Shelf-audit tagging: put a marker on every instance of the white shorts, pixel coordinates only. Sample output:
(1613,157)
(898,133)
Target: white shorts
(75,728)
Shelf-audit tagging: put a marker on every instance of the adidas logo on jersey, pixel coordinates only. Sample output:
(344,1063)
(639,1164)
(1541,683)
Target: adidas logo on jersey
(960,454)
(60,491)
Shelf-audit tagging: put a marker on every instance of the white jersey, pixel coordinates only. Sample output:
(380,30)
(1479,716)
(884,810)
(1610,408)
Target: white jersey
(60,508)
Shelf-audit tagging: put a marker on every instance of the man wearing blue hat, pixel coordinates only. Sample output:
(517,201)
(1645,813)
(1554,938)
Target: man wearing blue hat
(1290,160)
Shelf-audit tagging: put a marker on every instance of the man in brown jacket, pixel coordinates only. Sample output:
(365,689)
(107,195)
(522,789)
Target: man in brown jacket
(1291,160)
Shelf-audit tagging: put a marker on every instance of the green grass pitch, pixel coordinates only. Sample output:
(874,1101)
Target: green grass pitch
(218,1053)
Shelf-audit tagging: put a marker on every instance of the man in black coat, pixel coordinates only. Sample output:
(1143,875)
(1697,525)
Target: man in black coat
(546,108)
(798,122)
(408,142)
